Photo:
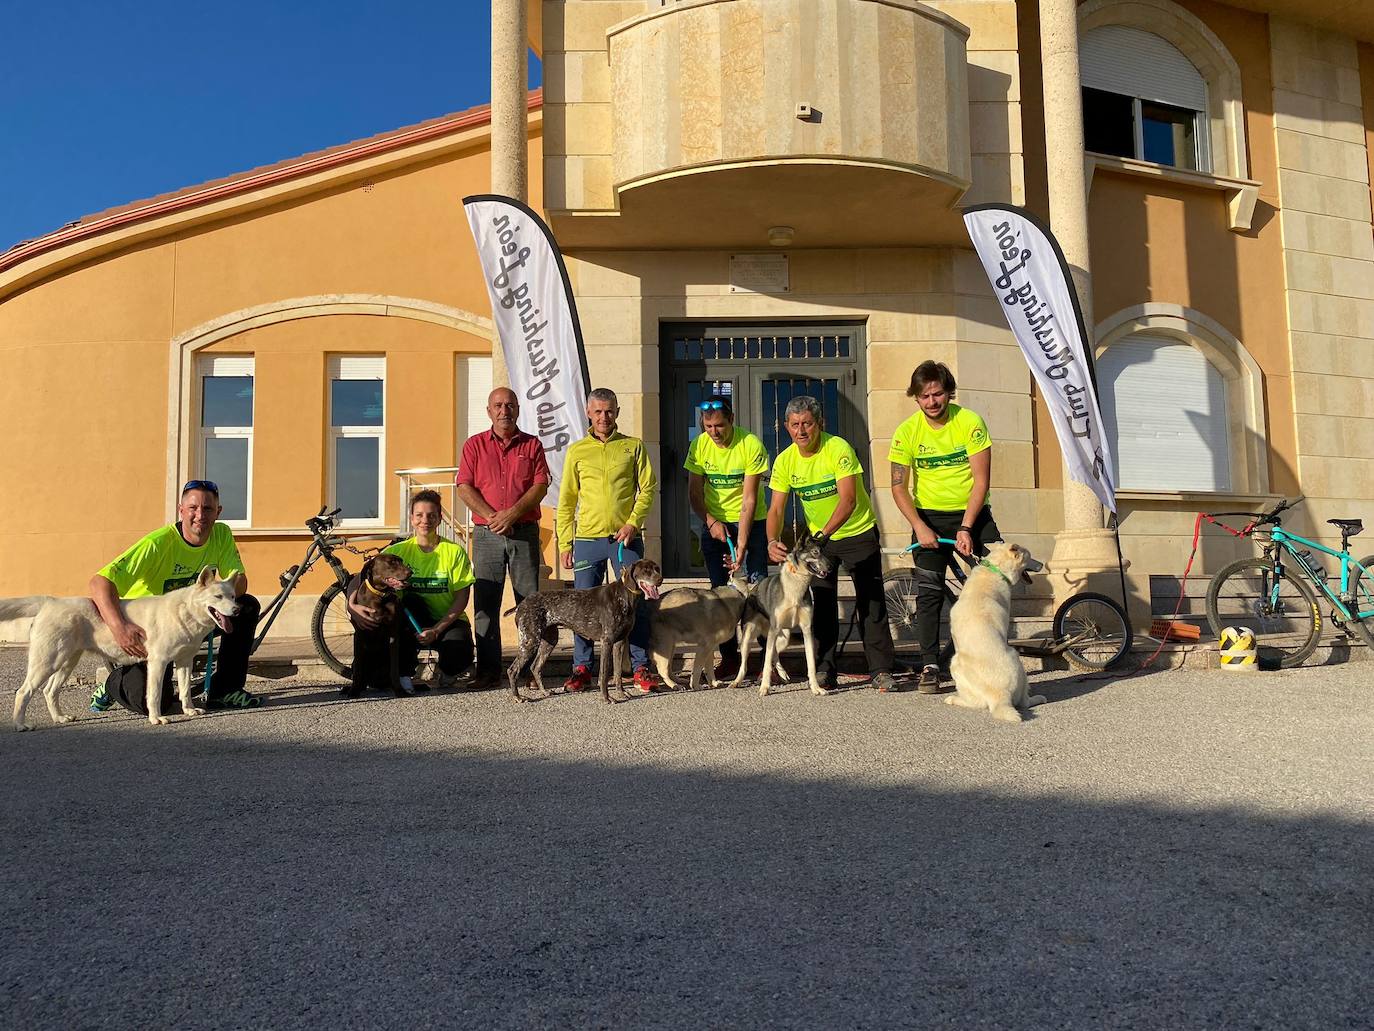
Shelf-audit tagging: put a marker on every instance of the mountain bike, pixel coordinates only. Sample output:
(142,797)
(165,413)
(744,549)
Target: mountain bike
(1276,596)
(1089,630)
(330,630)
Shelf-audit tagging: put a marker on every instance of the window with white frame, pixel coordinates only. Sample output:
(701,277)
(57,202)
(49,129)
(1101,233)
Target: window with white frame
(1166,411)
(1142,98)
(473,385)
(225,451)
(357,436)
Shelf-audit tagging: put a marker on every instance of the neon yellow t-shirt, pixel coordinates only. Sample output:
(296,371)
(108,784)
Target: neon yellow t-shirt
(435,576)
(163,562)
(940,456)
(815,482)
(724,469)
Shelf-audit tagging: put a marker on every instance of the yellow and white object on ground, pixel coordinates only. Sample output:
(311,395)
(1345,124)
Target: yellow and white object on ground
(1238,648)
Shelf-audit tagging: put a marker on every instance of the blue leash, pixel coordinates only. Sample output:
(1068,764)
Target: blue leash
(414,622)
(731,541)
(916,547)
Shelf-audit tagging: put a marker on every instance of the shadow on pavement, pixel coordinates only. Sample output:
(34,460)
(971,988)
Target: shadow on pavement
(171,881)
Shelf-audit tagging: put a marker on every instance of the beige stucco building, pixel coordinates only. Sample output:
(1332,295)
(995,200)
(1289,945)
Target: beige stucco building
(764,194)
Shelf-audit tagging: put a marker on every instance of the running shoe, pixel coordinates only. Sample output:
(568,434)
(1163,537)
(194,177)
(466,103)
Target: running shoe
(929,682)
(580,680)
(646,681)
(100,701)
(236,700)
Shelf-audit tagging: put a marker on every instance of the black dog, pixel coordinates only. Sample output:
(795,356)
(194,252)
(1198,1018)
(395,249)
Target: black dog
(605,614)
(377,653)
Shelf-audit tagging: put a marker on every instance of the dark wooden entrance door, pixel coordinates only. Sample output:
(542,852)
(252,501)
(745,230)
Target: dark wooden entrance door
(760,368)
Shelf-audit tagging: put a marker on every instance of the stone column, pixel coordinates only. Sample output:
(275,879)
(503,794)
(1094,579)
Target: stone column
(509,120)
(1083,550)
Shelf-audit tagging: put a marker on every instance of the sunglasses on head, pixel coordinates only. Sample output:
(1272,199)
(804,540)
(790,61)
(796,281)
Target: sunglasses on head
(715,406)
(209,485)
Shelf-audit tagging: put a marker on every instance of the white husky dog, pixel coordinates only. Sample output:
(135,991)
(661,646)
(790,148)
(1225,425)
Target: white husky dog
(64,629)
(987,673)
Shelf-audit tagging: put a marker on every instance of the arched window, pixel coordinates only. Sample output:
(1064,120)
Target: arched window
(1160,86)
(1142,99)
(1182,401)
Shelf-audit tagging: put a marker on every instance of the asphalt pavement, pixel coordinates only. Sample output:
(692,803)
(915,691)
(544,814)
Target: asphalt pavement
(1188,849)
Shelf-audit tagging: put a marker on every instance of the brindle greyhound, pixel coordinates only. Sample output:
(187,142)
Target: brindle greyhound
(605,614)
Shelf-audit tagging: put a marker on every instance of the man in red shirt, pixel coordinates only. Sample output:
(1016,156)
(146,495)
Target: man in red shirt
(502,477)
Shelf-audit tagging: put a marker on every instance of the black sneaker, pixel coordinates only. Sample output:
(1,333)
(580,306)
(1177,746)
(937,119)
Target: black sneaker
(929,682)
(236,700)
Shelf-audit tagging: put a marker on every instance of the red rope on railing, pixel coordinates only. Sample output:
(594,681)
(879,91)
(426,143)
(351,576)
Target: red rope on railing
(1245,531)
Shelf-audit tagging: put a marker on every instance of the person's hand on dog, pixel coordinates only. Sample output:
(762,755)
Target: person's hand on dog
(626,534)
(364,617)
(926,537)
(130,636)
(777,551)
(567,560)
(963,543)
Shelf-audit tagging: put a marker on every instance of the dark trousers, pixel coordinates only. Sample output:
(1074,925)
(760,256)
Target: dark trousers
(755,564)
(454,644)
(128,685)
(931,564)
(863,561)
(493,555)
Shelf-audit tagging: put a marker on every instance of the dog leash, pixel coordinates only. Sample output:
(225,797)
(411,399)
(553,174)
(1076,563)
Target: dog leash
(939,540)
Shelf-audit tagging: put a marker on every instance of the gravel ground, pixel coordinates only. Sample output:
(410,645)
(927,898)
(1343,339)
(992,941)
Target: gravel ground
(1177,850)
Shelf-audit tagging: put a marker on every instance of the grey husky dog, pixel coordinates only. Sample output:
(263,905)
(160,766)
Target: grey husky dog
(64,629)
(779,604)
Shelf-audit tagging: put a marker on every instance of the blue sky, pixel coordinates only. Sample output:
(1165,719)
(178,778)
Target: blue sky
(104,103)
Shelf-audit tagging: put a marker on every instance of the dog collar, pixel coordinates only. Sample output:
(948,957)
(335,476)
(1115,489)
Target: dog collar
(988,565)
(368,584)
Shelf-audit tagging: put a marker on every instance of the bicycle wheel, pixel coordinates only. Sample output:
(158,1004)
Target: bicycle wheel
(1280,610)
(1362,588)
(332,632)
(900,589)
(1097,629)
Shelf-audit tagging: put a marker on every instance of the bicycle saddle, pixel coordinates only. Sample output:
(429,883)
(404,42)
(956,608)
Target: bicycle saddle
(1348,527)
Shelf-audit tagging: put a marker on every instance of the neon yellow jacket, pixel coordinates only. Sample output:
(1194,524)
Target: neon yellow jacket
(604,487)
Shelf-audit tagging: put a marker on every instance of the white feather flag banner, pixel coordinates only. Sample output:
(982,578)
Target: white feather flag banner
(1028,273)
(536,323)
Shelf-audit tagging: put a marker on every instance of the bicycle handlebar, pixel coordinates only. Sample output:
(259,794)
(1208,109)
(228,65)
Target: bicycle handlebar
(1261,518)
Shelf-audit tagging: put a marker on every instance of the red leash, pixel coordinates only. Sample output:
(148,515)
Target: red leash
(1192,556)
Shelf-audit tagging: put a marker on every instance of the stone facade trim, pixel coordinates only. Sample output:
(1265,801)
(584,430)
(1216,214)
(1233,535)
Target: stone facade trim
(184,347)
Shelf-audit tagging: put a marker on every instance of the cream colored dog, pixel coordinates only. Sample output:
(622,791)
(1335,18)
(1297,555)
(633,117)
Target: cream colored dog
(987,672)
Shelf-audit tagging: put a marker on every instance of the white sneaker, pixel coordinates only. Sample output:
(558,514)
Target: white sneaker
(407,685)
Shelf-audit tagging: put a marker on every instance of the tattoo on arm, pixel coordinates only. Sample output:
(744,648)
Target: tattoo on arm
(898,475)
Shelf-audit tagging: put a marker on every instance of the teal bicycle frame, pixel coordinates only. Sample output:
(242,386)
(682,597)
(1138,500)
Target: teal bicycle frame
(1282,541)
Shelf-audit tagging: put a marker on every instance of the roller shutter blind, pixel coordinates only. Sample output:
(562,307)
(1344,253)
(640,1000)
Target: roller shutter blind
(1164,405)
(1137,63)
